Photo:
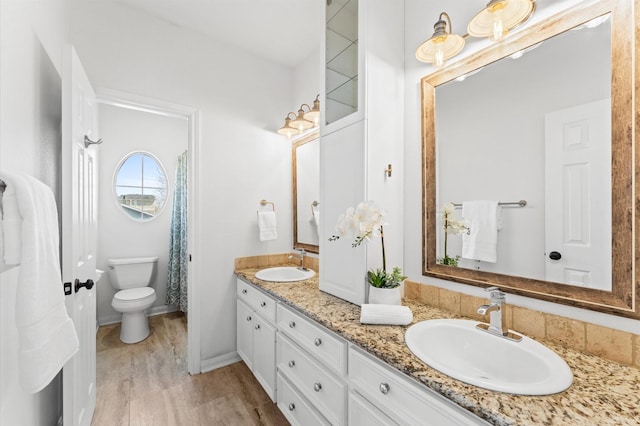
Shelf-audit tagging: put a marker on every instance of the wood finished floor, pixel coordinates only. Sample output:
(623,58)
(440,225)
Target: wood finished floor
(147,383)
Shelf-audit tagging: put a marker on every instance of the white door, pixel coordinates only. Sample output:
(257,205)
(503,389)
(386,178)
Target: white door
(79,171)
(578,195)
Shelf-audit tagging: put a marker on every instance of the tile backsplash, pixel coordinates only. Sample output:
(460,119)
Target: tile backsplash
(279,259)
(604,342)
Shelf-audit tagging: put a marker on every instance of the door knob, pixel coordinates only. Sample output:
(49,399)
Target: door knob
(77,285)
(554,255)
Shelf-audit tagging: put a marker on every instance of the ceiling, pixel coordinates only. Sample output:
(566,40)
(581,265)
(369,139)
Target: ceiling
(282,31)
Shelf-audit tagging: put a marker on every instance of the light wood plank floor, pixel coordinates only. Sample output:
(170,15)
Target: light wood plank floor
(147,383)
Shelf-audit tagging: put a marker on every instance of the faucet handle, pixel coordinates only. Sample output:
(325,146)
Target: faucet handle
(495,293)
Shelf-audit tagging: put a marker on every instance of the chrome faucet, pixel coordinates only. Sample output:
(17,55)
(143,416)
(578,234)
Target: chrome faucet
(301,253)
(497,321)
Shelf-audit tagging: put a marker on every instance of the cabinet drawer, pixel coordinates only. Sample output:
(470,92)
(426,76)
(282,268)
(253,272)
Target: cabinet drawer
(363,413)
(258,300)
(406,402)
(322,344)
(319,386)
(295,408)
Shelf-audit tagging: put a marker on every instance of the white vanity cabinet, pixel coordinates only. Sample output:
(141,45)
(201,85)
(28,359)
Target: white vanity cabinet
(356,149)
(402,400)
(313,360)
(256,334)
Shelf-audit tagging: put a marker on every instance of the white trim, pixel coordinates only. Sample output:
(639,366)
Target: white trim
(191,114)
(220,361)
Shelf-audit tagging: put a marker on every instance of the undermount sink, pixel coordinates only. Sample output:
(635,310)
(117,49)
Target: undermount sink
(284,274)
(460,350)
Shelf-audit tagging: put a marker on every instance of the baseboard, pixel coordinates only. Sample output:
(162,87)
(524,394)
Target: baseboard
(117,317)
(219,361)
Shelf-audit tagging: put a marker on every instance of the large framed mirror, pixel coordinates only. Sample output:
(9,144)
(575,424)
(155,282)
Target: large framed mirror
(539,130)
(305,164)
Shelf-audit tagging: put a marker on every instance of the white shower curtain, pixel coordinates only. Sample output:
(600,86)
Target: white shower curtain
(178,256)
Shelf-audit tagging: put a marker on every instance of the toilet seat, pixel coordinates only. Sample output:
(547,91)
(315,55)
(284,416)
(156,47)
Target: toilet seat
(134,294)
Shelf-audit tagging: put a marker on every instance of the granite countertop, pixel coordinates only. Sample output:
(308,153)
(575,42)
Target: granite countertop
(603,392)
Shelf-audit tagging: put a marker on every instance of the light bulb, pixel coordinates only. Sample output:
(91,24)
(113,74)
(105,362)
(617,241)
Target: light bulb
(438,57)
(497,31)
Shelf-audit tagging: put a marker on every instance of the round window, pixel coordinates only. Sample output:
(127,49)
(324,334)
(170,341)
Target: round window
(140,186)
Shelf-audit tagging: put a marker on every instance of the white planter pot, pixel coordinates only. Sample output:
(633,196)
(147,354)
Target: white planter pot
(384,296)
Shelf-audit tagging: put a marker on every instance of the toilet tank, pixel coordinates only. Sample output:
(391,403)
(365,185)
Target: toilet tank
(131,272)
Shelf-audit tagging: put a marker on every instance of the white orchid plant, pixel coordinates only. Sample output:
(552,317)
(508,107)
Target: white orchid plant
(454,226)
(366,221)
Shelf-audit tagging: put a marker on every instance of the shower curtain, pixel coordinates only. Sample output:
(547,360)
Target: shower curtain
(178,256)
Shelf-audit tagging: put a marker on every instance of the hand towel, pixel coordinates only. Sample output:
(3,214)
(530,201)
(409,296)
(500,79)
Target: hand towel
(385,314)
(267,225)
(316,220)
(481,243)
(47,337)
(11,224)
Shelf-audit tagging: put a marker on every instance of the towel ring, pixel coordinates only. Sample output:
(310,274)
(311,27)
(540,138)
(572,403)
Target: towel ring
(314,204)
(265,202)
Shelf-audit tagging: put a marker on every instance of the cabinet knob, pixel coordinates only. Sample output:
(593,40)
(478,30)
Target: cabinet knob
(244,291)
(317,387)
(318,341)
(257,326)
(384,388)
(249,318)
(292,324)
(263,304)
(292,406)
(292,363)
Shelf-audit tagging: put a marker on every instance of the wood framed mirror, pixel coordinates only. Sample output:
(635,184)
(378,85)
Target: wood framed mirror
(305,166)
(619,296)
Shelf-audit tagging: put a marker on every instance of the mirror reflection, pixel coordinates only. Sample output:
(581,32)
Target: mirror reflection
(306,193)
(534,126)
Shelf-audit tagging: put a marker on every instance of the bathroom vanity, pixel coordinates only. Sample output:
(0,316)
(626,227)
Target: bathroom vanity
(365,374)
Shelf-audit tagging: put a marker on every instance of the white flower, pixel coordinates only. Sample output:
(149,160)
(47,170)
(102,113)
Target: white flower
(363,222)
(450,224)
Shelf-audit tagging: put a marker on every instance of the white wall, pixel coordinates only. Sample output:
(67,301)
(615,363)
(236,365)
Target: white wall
(419,18)
(242,160)
(32,34)
(126,130)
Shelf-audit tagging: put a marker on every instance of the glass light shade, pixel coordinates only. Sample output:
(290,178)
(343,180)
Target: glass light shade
(314,114)
(300,123)
(437,50)
(499,17)
(287,130)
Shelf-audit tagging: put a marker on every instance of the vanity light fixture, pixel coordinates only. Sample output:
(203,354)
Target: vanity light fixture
(307,118)
(442,45)
(499,17)
(287,130)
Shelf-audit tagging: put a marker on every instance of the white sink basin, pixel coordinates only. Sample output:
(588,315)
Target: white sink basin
(457,349)
(284,274)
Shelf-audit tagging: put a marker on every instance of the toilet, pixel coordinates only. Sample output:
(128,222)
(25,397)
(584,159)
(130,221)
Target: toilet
(131,277)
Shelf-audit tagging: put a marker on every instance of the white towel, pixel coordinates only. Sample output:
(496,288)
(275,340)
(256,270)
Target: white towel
(481,243)
(385,314)
(316,219)
(267,225)
(47,336)
(11,224)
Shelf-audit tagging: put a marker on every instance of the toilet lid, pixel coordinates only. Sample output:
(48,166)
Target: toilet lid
(134,293)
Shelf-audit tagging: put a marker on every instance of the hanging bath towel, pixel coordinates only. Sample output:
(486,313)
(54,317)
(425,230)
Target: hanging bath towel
(47,336)
(481,243)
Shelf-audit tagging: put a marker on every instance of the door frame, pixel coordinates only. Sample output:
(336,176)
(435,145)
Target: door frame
(192,115)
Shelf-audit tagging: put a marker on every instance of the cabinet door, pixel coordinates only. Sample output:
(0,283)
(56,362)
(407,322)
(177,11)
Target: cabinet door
(264,355)
(244,333)
(342,184)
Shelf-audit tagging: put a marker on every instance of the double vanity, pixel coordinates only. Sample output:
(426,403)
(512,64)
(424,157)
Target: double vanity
(321,366)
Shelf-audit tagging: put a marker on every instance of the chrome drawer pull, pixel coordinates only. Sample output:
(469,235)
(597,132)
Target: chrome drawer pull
(263,304)
(292,406)
(384,388)
(292,324)
(249,318)
(292,363)
(257,326)
(318,341)
(244,291)
(317,387)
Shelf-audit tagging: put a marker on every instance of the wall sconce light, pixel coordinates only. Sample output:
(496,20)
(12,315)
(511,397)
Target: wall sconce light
(442,45)
(499,17)
(287,130)
(306,118)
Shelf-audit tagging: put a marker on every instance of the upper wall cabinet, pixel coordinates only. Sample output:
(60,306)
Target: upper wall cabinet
(361,137)
(341,59)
